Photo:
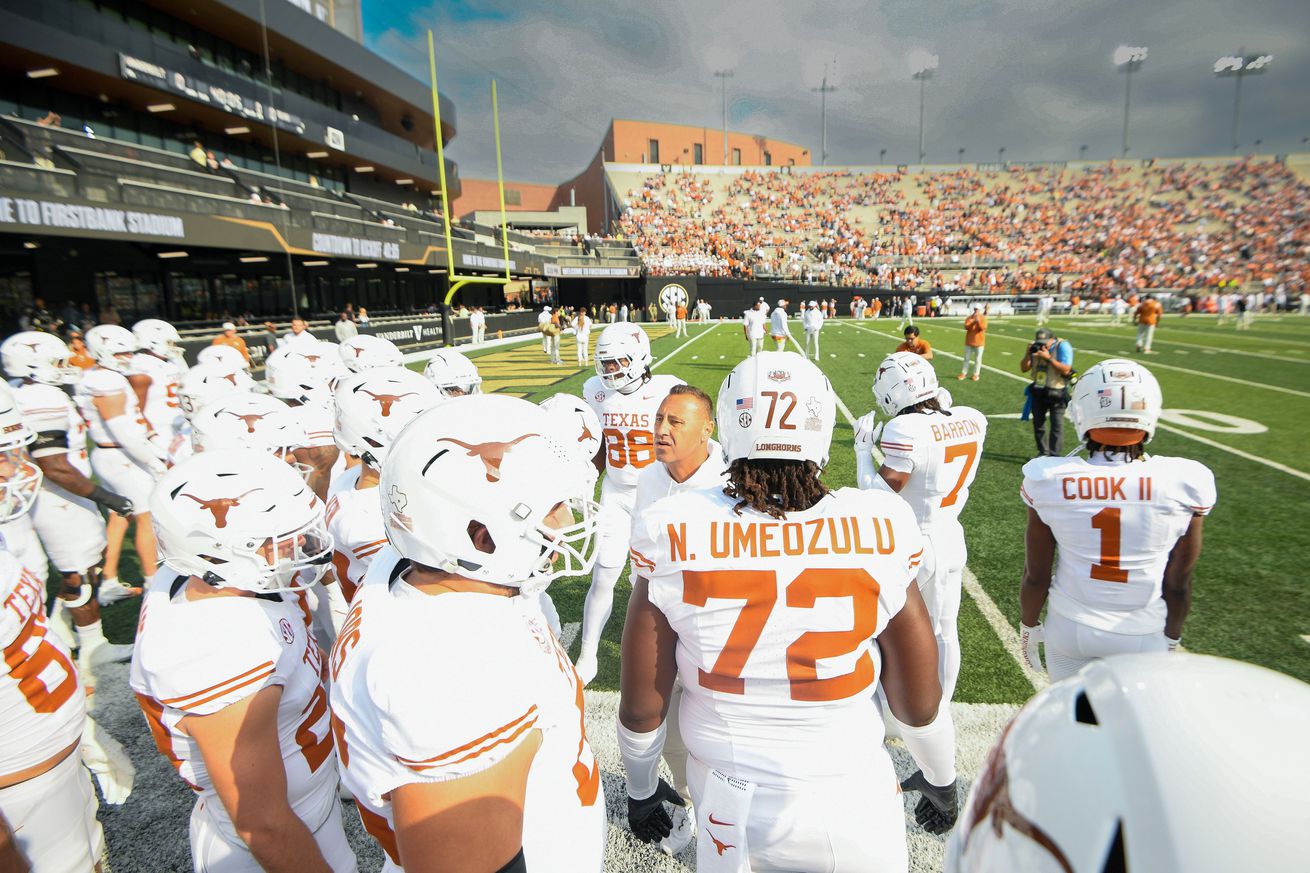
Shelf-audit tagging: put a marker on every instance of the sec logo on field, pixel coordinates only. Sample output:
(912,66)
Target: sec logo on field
(288,635)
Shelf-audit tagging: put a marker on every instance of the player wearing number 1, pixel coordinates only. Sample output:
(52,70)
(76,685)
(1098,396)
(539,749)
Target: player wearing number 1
(930,458)
(1127,526)
(766,597)
(625,397)
(229,677)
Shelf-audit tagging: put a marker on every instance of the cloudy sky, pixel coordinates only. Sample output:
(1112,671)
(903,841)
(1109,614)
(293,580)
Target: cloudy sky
(1034,76)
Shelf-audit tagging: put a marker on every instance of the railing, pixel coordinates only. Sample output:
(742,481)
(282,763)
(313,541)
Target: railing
(35,179)
(139,193)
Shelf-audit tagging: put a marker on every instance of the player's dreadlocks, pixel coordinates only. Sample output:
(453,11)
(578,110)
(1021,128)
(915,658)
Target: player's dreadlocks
(1134,452)
(774,486)
(932,404)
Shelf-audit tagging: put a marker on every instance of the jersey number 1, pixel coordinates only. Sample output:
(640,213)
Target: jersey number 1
(1108,569)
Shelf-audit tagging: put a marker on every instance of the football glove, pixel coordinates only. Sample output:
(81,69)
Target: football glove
(938,807)
(867,431)
(1029,637)
(111,501)
(649,820)
(105,758)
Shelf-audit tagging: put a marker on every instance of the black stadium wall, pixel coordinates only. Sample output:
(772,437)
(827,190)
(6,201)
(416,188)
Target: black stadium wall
(730,297)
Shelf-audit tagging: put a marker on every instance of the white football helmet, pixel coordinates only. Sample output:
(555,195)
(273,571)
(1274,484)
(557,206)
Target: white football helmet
(112,346)
(250,421)
(576,426)
(488,459)
(222,356)
(373,406)
(1118,394)
(903,380)
(158,336)
(944,398)
(365,352)
(205,383)
(1145,762)
(776,405)
(327,361)
(453,373)
(623,357)
(20,478)
(292,376)
(41,357)
(241,519)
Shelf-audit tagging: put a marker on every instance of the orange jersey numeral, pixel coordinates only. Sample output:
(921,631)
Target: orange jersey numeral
(635,448)
(1108,569)
(968,451)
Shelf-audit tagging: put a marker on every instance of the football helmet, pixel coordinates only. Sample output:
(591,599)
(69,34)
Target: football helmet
(158,336)
(327,361)
(250,421)
(1116,395)
(223,356)
(292,376)
(623,357)
(112,346)
(903,380)
(453,373)
(365,352)
(1096,773)
(374,405)
(241,519)
(41,357)
(205,383)
(776,405)
(20,478)
(576,426)
(489,460)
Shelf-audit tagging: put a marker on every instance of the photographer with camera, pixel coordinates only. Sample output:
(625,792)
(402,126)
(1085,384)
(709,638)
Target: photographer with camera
(1050,360)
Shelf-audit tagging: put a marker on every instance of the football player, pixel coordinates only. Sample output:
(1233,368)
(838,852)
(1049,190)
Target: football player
(230,680)
(202,385)
(483,509)
(47,805)
(293,377)
(157,370)
(372,407)
(127,457)
(225,356)
(930,457)
(453,373)
(365,352)
(1127,526)
(625,397)
(1150,794)
(66,517)
(767,596)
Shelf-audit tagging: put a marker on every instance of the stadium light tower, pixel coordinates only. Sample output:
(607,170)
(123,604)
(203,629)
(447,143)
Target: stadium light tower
(823,91)
(1128,59)
(1239,66)
(923,72)
(725,75)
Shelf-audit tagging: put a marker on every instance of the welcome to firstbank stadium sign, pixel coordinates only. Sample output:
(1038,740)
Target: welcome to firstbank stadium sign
(74,216)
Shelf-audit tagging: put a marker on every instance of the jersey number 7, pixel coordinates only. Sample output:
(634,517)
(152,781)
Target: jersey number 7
(759,588)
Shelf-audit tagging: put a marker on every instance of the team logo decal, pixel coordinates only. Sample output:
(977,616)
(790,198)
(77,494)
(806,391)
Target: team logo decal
(744,420)
(386,400)
(586,431)
(399,500)
(672,296)
(288,635)
(249,418)
(220,506)
(492,453)
(779,375)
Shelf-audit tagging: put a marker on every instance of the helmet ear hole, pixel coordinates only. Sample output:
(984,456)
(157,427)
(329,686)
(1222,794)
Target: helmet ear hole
(481,537)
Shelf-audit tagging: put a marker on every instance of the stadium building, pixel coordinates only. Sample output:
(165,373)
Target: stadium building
(156,164)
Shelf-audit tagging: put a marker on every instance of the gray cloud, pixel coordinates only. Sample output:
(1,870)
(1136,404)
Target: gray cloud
(1034,76)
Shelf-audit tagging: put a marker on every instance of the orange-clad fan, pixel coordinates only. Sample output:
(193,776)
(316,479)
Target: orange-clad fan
(975,337)
(913,343)
(229,338)
(1147,317)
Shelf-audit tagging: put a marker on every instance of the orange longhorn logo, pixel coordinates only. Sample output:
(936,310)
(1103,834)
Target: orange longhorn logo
(491,453)
(219,506)
(249,418)
(719,845)
(385,400)
(358,350)
(586,432)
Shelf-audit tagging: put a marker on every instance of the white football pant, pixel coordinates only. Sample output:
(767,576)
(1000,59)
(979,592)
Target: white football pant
(972,355)
(812,343)
(1145,333)
(757,346)
(941,576)
(53,818)
(611,557)
(210,853)
(583,340)
(124,476)
(1070,646)
(70,527)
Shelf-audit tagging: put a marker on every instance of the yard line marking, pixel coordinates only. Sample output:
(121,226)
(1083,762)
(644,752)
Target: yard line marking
(1282,468)
(669,356)
(850,419)
(1169,342)
(1008,636)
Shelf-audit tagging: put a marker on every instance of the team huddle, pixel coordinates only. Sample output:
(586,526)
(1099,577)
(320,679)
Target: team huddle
(348,597)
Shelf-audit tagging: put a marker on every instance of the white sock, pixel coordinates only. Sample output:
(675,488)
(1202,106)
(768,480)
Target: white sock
(599,603)
(90,637)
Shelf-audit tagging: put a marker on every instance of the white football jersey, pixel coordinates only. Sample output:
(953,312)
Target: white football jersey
(42,704)
(101,382)
(354,518)
(1116,523)
(628,422)
(776,621)
(50,412)
(427,688)
(317,421)
(940,451)
(197,657)
(163,409)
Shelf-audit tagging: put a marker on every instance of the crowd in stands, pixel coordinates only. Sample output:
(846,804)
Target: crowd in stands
(1094,230)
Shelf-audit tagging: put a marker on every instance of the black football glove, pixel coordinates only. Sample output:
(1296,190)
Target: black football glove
(649,820)
(114,502)
(938,807)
